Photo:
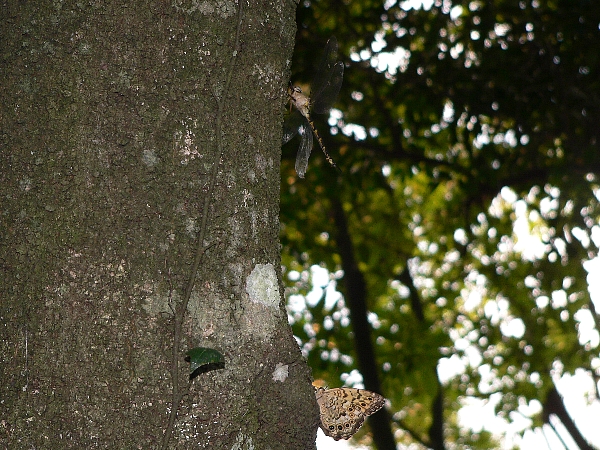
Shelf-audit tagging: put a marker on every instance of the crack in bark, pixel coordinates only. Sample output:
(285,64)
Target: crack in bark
(200,249)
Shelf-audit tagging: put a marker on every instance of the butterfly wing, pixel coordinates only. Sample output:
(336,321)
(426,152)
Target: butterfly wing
(344,410)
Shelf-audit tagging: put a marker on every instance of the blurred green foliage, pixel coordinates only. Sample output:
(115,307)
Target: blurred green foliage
(485,110)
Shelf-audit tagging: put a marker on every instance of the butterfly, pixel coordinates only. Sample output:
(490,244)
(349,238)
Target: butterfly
(343,410)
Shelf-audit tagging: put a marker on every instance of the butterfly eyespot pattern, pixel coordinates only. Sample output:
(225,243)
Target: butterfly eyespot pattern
(343,410)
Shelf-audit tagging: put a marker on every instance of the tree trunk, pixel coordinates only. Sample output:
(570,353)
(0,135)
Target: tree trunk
(139,219)
(356,297)
(554,405)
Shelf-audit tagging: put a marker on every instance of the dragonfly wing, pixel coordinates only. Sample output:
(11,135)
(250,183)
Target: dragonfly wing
(304,150)
(324,99)
(291,125)
(323,72)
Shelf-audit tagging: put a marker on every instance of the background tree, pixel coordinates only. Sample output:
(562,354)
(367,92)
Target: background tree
(456,123)
(139,177)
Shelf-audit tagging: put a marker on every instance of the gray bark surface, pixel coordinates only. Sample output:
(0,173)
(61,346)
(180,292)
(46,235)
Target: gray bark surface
(139,219)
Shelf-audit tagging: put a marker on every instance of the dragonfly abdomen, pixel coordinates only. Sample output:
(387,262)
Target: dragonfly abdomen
(320,141)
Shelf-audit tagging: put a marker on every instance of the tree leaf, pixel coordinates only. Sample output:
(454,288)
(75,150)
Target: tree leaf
(204,360)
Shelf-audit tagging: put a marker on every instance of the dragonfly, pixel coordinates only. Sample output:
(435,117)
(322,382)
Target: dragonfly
(325,88)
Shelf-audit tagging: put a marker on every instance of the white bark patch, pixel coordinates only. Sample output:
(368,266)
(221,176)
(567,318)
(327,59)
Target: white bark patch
(149,158)
(281,372)
(243,442)
(262,287)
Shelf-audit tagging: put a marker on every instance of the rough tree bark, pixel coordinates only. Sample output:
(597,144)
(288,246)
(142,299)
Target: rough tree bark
(139,219)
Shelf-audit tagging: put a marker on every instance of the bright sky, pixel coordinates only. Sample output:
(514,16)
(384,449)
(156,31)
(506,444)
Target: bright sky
(575,391)
(327,443)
